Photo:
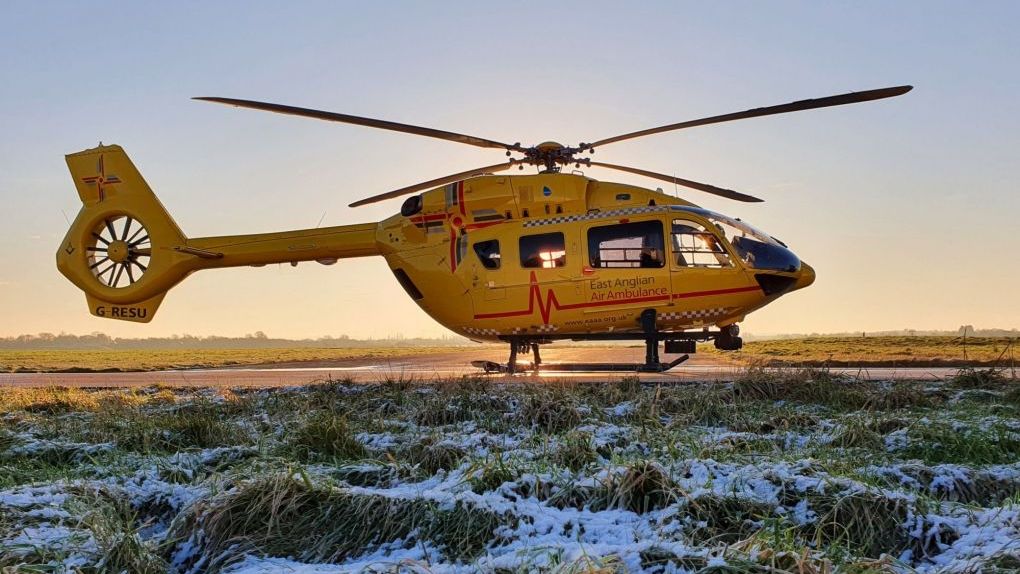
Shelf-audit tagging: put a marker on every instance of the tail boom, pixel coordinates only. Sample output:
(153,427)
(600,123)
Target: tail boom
(324,244)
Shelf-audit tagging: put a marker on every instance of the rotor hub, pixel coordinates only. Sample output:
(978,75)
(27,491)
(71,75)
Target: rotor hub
(550,155)
(118,251)
(549,146)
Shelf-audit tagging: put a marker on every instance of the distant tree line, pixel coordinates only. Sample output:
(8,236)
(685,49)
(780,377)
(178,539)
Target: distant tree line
(257,340)
(963,331)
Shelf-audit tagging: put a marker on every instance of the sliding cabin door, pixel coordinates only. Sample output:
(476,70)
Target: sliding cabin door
(625,272)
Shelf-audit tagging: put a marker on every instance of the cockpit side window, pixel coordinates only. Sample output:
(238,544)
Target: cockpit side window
(488,253)
(695,246)
(636,245)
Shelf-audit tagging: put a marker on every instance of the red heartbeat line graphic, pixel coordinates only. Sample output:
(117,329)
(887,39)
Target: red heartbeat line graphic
(549,302)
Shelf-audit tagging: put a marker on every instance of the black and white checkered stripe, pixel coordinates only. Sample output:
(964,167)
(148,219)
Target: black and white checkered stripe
(547,328)
(596,215)
(695,314)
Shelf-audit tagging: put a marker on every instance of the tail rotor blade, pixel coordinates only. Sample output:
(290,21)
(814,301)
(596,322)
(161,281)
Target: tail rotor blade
(432,183)
(721,192)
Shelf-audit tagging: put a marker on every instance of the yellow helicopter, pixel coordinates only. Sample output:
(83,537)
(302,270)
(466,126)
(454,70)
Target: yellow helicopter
(523,259)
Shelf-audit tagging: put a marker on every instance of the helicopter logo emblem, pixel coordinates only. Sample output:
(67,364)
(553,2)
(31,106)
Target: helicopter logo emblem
(101,179)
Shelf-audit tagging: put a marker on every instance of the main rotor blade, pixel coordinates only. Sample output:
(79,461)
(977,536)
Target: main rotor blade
(432,183)
(722,192)
(368,122)
(850,98)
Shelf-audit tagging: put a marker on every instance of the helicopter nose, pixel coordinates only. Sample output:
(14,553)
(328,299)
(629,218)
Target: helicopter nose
(805,277)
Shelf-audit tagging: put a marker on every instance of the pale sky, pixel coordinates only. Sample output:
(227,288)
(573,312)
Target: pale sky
(907,208)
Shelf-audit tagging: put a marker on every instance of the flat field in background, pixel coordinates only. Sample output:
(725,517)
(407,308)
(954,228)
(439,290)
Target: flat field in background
(817,351)
(772,473)
(921,351)
(71,360)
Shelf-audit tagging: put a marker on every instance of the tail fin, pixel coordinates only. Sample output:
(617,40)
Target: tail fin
(125,251)
(120,249)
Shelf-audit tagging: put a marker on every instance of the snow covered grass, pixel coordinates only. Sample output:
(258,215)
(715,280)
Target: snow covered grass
(796,471)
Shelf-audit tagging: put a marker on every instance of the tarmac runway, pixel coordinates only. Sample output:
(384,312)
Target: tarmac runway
(430,367)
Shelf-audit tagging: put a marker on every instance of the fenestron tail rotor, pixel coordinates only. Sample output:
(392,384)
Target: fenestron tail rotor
(120,251)
(552,156)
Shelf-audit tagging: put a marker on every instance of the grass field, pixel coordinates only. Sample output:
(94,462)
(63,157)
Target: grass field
(775,472)
(878,351)
(819,351)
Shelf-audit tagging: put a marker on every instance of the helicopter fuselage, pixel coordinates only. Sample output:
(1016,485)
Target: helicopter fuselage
(557,254)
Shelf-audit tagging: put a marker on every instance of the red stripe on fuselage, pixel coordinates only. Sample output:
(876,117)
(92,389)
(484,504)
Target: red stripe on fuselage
(715,292)
(453,248)
(550,302)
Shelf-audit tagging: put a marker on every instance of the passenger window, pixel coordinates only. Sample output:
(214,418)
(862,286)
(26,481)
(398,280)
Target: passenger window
(627,245)
(543,251)
(696,246)
(488,253)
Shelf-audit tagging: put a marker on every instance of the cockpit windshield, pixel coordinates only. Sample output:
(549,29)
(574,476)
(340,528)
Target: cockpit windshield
(755,248)
(736,227)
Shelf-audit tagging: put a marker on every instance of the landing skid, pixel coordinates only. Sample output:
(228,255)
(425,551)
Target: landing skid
(490,367)
(494,367)
(616,367)
(676,342)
